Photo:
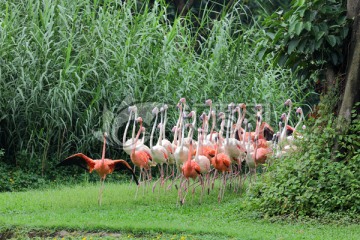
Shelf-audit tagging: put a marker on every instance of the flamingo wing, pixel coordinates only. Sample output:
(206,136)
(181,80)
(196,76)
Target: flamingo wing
(289,130)
(268,131)
(80,160)
(123,165)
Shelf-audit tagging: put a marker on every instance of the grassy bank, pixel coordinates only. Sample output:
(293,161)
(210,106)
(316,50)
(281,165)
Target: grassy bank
(151,214)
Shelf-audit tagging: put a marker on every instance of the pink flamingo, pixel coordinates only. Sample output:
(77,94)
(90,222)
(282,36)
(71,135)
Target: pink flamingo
(103,166)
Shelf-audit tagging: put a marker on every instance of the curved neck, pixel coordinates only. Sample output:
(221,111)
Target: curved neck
(163,126)
(153,130)
(228,128)
(178,126)
(191,131)
(198,148)
(213,119)
(243,142)
(136,138)
(126,128)
(241,119)
(300,119)
(181,140)
(208,117)
(190,152)
(134,127)
(160,135)
(103,150)
(222,125)
(258,123)
(287,117)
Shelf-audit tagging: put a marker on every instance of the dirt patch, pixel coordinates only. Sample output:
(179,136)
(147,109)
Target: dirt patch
(64,234)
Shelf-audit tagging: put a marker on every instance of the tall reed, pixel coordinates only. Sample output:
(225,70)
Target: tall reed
(63,62)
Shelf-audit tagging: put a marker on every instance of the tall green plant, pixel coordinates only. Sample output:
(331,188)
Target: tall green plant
(62,64)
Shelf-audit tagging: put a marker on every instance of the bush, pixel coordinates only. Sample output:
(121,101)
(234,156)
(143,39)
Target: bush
(308,183)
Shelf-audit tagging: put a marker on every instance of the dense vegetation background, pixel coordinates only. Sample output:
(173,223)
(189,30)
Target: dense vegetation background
(65,64)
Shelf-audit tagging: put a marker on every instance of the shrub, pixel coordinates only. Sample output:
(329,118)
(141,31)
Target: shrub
(308,183)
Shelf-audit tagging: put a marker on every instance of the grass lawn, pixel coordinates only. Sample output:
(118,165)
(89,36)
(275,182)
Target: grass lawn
(73,212)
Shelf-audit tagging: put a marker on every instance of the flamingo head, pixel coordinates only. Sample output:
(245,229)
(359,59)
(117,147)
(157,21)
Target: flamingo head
(183,100)
(174,129)
(143,129)
(246,121)
(105,135)
(274,138)
(221,115)
(208,102)
(191,114)
(139,120)
(213,114)
(155,110)
(283,117)
(231,106)
(288,103)
(236,109)
(203,116)
(165,107)
(242,106)
(298,111)
(162,109)
(132,108)
(258,107)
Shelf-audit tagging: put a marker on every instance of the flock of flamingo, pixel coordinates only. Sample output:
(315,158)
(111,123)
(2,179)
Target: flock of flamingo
(206,158)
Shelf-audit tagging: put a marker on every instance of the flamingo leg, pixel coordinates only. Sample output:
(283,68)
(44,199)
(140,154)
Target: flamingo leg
(213,180)
(102,180)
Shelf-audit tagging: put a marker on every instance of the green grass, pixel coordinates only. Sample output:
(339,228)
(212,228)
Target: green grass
(151,215)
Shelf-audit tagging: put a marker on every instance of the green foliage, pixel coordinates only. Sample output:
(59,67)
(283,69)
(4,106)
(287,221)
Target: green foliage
(62,64)
(307,36)
(308,183)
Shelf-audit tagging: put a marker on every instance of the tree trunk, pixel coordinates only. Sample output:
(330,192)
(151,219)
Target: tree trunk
(352,84)
(352,81)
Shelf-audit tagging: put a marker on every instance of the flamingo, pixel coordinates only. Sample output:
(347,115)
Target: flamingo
(180,119)
(165,142)
(190,169)
(207,147)
(221,163)
(211,137)
(103,166)
(201,160)
(181,151)
(287,103)
(293,131)
(158,152)
(191,126)
(127,144)
(208,103)
(140,157)
(233,147)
